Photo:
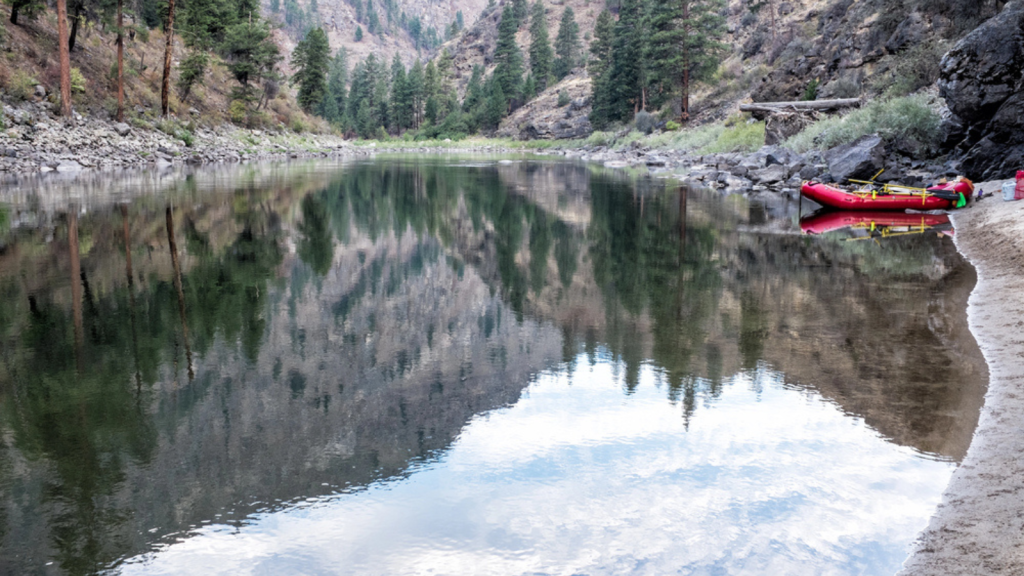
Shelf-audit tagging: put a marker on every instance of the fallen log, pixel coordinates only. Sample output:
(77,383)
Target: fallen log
(802,105)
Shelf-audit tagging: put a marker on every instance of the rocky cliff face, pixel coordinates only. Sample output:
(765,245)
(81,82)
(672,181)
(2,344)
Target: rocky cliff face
(982,84)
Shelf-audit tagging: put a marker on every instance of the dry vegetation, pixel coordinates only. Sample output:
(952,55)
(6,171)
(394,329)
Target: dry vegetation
(29,57)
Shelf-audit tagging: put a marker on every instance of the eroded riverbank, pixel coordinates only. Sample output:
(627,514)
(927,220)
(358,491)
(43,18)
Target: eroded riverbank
(979,527)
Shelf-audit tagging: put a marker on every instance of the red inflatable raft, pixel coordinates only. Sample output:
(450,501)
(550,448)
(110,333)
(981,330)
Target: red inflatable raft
(885,222)
(889,197)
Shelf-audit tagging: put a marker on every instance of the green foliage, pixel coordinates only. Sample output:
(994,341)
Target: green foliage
(563,98)
(912,69)
(332,107)
(508,60)
(521,11)
(744,136)
(21,85)
(567,44)
(811,92)
(541,53)
(910,117)
(311,60)
(191,72)
(600,69)
(359,33)
(238,111)
(645,122)
(684,36)
(627,75)
(672,126)
(251,54)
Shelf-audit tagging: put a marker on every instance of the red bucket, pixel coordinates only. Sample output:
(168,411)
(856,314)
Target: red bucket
(1018,193)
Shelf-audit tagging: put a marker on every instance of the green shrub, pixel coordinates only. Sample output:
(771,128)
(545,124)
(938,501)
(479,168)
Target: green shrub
(744,136)
(672,126)
(599,138)
(191,72)
(645,122)
(298,126)
(906,117)
(811,92)
(238,111)
(21,85)
(77,81)
(563,98)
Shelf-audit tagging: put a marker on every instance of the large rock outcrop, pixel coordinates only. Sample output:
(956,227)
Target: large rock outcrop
(981,81)
(542,118)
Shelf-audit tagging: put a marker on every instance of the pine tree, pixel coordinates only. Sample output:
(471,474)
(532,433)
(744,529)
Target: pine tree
(474,89)
(359,33)
(567,44)
(599,68)
(521,9)
(191,71)
(685,45)
(401,100)
(540,47)
(373,21)
(508,69)
(496,104)
(626,75)
(311,59)
(416,81)
(333,107)
(251,54)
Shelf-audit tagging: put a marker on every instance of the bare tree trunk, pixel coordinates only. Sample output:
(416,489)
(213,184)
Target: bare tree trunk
(14,14)
(120,61)
(76,21)
(684,103)
(65,59)
(166,87)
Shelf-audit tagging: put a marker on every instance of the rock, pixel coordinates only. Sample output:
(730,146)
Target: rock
(770,174)
(122,129)
(908,33)
(655,160)
(739,170)
(810,172)
(860,159)
(40,91)
(616,164)
(978,80)
(68,166)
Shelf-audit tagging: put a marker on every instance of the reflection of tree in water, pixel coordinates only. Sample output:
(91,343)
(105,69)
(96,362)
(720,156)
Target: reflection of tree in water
(81,410)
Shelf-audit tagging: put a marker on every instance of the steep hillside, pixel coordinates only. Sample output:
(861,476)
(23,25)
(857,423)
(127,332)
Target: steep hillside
(411,28)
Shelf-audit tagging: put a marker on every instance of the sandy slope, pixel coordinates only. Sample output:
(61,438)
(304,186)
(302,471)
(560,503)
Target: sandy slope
(979,527)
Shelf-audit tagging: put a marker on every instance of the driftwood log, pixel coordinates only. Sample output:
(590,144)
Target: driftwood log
(800,105)
(786,119)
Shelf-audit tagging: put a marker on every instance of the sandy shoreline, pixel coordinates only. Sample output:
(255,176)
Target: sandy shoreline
(979,526)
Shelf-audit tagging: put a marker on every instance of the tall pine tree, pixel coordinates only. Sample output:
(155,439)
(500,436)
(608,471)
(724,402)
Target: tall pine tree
(540,47)
(401,99)
(599,68)
(521,8)
(685,45)
(311,59)
(333,107)
(508,69)
(626,80)
(567,44)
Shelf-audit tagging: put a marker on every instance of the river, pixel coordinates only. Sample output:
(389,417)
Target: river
(426,365)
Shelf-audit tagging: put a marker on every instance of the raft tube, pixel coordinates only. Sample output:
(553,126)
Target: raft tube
(833,197)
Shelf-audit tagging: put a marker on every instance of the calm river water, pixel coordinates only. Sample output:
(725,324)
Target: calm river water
(466,366)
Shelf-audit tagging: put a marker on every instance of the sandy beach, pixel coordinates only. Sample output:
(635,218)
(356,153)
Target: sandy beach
(979,526)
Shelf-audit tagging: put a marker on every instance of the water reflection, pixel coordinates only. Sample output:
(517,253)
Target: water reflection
(668,366)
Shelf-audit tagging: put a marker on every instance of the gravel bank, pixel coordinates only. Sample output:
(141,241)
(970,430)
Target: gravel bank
(979,526)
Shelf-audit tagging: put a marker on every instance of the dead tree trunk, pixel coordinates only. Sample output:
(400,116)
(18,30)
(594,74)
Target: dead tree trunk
(120,61)
(166,86)
(65,59)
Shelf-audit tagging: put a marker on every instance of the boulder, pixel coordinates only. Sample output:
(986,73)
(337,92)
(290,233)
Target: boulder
(859,159)
(40,91)
(68,166)
(772,174)
(122,129)
(979,79)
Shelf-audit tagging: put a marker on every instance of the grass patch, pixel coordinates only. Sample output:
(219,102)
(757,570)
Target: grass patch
(905,117)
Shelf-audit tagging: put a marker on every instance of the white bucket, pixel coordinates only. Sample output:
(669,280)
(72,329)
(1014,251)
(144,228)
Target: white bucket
(1008,190)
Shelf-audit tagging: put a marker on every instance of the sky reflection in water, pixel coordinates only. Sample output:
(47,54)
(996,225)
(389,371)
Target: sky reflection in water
(577,478)
(419,367)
